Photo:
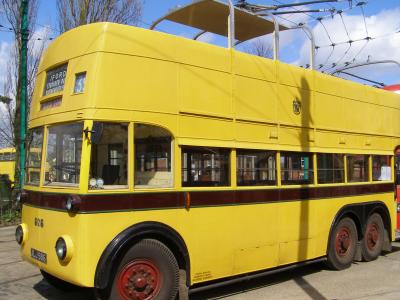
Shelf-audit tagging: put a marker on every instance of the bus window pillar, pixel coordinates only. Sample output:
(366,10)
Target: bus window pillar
(85,159)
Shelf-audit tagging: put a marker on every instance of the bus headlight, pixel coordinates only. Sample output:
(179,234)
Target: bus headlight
(398,207)
(61,248)
(64,248)
(21,233)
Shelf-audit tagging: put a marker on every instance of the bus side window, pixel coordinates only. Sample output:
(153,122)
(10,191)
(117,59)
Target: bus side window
(203,166)
(108,167)
(297,168)
(153,148)
(256,167)
(357,168)
(381,169)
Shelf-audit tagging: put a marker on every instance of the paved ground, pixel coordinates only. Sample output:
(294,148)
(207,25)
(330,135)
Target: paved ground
(375,280)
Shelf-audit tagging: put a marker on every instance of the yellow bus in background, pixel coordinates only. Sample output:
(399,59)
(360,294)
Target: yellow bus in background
(7,162)
(162,163)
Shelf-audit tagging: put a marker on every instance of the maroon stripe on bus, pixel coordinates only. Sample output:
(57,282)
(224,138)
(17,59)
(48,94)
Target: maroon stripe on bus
(163,200)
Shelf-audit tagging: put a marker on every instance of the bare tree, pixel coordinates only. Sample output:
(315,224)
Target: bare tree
(9,128)
(260,48)
(73,13)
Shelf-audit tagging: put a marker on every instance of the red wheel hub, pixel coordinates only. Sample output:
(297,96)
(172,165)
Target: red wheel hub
(139,279)
(372,235)
(343,241)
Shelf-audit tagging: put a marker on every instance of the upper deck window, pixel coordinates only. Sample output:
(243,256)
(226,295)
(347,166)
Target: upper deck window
(153,148)
(205,167)
(79,86)
(63,156)
(297,168)
(256,167)
(357,168)
(109,156)
(55,80)
(34,156)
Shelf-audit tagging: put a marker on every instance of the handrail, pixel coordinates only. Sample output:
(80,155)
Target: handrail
(231,25)
(312,40)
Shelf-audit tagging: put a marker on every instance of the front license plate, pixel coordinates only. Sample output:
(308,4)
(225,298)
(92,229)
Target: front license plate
(40,256)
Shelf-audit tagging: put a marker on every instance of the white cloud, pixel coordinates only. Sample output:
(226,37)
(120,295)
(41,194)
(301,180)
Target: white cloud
(387,48)
(207,37)
(4,59)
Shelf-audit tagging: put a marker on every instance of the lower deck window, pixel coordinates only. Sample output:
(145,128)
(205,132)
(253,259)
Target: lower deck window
(205,167)
(63,156)
(256,167)
(330,168)
(357,168)
(109,156)
(34,156)
(297,168)
(153,146)
(381,168)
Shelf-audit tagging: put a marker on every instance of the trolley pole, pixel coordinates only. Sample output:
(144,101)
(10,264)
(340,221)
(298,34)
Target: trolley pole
(23,87)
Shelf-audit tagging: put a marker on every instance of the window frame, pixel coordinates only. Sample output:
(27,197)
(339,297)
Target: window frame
(331,169)
(311,170)
(257,170)
(204,184)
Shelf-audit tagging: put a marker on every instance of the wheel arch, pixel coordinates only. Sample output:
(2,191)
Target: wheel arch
(360,213)
(115,250)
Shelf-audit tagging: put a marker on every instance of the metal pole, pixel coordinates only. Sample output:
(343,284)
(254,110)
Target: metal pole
(23,87)
(231,25)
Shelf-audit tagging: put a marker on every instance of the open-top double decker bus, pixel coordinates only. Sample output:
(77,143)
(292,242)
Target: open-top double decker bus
(168,164)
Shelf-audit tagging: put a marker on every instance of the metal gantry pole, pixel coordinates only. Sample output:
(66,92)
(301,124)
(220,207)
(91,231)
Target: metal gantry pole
(231,25)
(23,87)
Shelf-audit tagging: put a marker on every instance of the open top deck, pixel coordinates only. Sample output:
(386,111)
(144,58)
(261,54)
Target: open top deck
(211,16)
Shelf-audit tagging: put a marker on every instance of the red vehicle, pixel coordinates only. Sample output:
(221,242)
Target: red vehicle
(396,88)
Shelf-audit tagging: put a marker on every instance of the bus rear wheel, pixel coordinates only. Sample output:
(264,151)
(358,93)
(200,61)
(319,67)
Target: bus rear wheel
(372,243)
(342,245)
(148,270)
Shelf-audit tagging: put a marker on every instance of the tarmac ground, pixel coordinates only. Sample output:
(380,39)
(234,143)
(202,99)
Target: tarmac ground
(379,279)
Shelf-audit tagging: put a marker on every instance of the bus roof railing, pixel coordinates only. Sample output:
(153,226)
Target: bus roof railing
(238,25)
(212,15)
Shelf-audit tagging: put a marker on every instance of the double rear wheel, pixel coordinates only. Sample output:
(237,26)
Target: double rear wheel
(372,242)
(342,244)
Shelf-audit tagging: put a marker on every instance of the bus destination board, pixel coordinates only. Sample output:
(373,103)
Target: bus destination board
(55,80)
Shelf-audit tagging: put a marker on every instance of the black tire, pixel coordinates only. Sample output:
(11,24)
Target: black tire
(372,242)
(58,283)
(342,245)
(148,269)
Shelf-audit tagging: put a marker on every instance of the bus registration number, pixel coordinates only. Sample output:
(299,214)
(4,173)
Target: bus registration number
(40,256)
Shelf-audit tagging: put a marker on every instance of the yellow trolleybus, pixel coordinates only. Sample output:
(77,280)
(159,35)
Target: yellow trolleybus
(7,162)
(169,164)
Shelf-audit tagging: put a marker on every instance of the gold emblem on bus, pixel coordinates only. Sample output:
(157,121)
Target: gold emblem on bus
(296,107)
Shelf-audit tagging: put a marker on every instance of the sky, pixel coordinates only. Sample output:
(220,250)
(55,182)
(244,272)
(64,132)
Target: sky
(359,21)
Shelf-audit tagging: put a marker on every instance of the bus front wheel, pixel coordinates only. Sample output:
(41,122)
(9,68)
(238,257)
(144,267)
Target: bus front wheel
(372,243)
(342,244)
(148,270)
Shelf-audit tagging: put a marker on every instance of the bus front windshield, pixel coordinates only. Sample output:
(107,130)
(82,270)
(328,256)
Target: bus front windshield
(63,154)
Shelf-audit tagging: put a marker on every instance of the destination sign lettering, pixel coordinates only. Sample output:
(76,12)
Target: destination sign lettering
(55,80)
